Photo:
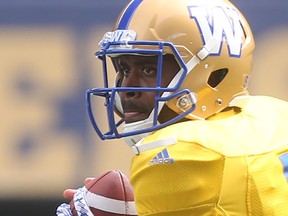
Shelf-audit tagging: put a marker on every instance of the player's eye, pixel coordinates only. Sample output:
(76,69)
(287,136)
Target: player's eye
(124,70)
(150,71)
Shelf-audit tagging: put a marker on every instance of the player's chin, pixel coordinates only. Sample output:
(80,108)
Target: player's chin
(136,118)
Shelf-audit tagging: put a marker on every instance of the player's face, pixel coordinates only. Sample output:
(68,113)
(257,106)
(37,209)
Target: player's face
(141,71)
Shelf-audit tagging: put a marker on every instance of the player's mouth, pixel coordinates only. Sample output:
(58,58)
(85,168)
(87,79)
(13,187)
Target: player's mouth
(133,116)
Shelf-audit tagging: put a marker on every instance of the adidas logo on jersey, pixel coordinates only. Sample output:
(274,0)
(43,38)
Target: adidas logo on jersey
(162,158)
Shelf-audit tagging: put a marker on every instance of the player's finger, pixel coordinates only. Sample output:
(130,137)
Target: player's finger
(68,193)
(87,180)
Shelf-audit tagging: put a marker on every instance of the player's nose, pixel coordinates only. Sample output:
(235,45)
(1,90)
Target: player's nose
(132,81)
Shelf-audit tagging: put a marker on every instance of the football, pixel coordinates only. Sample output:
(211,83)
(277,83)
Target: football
(109,194)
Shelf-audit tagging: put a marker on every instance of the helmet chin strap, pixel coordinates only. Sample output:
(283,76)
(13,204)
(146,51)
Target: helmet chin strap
(134,126)
(147,123)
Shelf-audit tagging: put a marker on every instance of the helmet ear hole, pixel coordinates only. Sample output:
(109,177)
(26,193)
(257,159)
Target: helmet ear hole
(216,77)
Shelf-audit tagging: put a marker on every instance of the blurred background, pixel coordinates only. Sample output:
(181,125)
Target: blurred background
(46,64)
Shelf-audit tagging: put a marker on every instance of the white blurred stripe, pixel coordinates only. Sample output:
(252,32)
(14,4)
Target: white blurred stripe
(110,205)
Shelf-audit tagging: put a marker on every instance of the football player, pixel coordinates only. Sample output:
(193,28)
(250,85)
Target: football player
(202,144)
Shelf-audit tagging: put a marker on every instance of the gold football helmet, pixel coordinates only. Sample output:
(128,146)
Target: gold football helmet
(210,39)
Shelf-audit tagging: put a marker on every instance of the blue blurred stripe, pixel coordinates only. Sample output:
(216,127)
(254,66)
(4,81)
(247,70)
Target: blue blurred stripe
(126,17)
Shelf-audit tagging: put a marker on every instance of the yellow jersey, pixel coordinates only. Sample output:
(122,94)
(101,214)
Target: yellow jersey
(233,164)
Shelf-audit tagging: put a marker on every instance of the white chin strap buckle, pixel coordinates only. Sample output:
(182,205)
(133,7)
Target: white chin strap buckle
(139,147)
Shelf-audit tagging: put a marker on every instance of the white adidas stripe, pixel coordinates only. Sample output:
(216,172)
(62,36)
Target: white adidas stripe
(110,205)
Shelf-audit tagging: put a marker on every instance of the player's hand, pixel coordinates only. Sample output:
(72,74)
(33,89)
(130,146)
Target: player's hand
(69,193)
